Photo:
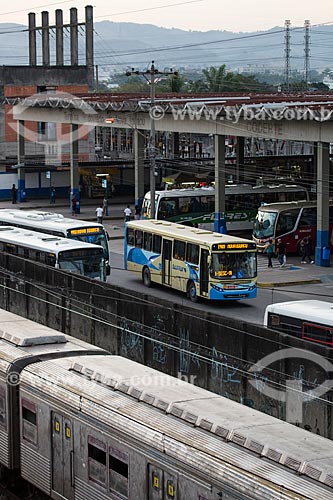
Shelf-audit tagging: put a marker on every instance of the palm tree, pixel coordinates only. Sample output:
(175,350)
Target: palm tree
(215,78)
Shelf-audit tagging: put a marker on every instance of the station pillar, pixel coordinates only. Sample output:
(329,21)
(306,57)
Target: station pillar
(139,172)
(240,167)
(21,193)
(74,166)
(322,253)
(220,225)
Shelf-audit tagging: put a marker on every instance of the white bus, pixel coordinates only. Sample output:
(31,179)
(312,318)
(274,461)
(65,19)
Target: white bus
(62,253)
(195,261)
(197,206)
(307,319)
(58,225)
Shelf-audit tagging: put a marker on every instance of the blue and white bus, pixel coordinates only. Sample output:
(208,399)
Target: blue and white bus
(196,261)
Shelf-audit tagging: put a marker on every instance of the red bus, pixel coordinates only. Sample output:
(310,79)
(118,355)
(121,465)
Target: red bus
(291,222)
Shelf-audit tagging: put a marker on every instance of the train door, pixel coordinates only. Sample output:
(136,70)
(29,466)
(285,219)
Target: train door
(162,485)
(62,456)
(166,262)
(204,272)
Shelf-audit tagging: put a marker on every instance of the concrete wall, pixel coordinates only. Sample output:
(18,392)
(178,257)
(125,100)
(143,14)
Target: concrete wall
(203,348)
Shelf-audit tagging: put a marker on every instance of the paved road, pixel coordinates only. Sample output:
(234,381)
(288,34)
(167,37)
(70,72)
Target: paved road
(294,282)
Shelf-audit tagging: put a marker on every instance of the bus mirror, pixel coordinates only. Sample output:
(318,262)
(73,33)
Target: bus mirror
(108,269)
(209,260)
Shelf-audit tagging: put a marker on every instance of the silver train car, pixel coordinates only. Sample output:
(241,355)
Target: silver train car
(98,427)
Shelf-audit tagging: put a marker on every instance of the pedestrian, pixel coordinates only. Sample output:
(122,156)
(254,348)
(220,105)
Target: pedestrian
(281,252)
(269,250)
(306,247)
(105,206)
(74,204)
(99,214)
(52,195)
(127,213)
(14,194)
(137,212)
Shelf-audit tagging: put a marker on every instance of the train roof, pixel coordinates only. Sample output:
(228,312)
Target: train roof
(215,428)
(43,242)
(20,337)
(316,311)
(197,235)
(49,220)
(229,189)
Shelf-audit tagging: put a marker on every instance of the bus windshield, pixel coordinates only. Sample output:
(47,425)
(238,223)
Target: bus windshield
(233,265)
(90,264)
(264,224)
(96,239)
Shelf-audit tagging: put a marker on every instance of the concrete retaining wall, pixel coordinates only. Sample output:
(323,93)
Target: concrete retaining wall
(205,349)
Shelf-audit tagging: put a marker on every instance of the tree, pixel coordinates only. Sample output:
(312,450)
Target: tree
(214,78)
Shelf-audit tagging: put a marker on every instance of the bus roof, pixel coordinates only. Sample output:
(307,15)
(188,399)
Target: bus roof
(288,205)
(230,189)
(192,234)
(41,241)
(48,220)
(316,311)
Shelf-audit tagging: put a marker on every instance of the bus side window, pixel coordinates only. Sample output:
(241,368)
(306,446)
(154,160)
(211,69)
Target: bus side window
(138,239)
(50,259)
(157,243)
(147,241)
(286,221)
(10,248)
(192,253)
(130,236)
(179,250)
(308,217)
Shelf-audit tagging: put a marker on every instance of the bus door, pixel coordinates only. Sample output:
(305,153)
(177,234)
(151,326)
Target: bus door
(166,262)
(204,272)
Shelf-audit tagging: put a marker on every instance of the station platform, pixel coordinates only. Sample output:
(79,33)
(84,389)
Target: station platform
(294,272)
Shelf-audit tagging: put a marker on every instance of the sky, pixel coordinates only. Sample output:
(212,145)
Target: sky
(195,15)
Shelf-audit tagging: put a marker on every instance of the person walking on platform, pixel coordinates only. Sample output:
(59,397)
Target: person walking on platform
(269,250)
(52,195)
(127,213)
(306,247)
(99,214)
(14,194)
(74,204)
(281,252)
(137,212)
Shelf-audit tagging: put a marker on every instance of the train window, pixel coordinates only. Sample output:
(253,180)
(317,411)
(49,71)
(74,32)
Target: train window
(29,421)
(2,406)
(96,461)
(118,473)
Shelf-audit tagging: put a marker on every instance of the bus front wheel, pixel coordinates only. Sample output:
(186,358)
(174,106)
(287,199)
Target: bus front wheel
(192,292)
(146,278)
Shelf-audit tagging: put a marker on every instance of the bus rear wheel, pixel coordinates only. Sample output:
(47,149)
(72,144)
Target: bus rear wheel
(146,278)
(192,292)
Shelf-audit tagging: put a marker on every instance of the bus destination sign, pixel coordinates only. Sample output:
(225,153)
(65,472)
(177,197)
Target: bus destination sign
(234,246)
(89,230)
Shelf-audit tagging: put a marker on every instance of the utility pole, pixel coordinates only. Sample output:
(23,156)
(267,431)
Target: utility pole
(287,25)
(151,76)
(307,52)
